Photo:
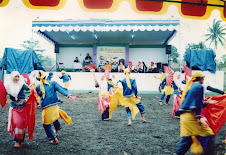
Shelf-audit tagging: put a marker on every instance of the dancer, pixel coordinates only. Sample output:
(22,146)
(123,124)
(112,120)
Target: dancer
(161,77)
(66,79)
(18,111)
(104,98)
(193,129)
(131,100)
(49,103)
(166,91)
(49,78)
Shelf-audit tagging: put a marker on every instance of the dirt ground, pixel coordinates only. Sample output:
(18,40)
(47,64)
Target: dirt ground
(89,135)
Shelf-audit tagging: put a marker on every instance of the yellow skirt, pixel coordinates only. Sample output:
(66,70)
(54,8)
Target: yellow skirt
(131,103)
(50,114)
(168,90)
(189,126)
(66,85)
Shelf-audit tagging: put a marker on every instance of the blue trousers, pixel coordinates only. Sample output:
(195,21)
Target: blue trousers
(105,115)
(167,98)
(49,131)
(207,144)
(139,106)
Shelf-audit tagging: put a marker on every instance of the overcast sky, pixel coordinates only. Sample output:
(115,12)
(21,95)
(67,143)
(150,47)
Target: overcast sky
(16,23)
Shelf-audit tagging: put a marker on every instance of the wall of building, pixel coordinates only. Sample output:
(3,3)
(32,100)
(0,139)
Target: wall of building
(147,55)
(67,55)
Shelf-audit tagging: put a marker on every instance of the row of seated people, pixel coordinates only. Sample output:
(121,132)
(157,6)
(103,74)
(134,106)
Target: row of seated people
(119,67)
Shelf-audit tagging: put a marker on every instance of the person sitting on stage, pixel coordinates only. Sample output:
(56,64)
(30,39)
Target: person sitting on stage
(131,66)
(108,66)
(121,67)
(139,67)
(89,67)
(76,60)
(114,67)
(88,57)
(101,64)
(151,67)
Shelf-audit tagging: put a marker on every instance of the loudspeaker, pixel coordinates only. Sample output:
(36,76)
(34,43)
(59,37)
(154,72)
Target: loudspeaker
(159,65)
(168,49)
(57,48)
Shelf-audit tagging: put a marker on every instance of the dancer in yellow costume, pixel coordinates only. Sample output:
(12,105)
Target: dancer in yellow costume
(116,95)
(49,103)
(131,100)
(195,132)
(66,79)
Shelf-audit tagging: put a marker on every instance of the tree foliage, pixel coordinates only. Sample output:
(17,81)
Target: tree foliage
(216,34)
(221,63)
(173,57)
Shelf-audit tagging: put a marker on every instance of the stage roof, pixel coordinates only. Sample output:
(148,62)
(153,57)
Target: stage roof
(89,32)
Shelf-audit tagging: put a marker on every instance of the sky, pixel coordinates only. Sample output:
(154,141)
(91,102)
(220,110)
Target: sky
(16,24)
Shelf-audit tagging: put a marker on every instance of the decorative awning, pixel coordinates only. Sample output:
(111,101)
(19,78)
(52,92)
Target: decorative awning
(136,32)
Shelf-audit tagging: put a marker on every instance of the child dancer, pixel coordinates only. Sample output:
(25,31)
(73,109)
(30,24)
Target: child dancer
(17,122)
(131,100)
(49,103)
(66,79)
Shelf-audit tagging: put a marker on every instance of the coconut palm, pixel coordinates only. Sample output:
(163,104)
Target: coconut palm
(216,33)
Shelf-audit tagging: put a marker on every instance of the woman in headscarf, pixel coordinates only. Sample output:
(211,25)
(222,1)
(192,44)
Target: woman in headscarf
(131,100)
(177,83)
(195,132)
(17,122)
(66,79)
(49,104)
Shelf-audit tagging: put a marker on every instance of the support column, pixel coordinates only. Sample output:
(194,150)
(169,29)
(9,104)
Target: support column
(127,56)
(95,54)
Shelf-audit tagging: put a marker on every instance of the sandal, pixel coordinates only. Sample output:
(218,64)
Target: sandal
(54,142)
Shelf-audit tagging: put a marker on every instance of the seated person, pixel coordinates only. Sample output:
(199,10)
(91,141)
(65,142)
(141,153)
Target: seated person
(121,67)
(151,67)
(139,67)
(101,65)
(90,67)
(108,66)
(131,66)
(88,57)
(114,67)
(76,60)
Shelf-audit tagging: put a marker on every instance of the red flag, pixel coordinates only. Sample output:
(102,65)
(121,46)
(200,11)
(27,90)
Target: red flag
(27,78)
(187,72)
(169,80)
(215,113)
(3,94)
(31,104)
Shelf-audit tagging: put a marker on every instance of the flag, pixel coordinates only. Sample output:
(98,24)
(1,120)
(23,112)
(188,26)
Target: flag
(169,80)
(3,94)
(215,113)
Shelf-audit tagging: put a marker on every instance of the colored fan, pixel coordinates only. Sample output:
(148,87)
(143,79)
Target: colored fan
(27,78)
(187,71)
(3,93)
(169,80)
(107,73)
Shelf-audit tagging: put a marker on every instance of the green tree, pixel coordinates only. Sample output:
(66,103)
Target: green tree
(201,45)
(221,63)
(216,34)
(173,57)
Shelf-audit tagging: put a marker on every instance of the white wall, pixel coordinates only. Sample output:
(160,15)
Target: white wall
(147,55)
(67,55)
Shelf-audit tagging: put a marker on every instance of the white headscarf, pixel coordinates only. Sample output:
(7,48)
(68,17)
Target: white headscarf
(32,77)
(13,88)
(177,81)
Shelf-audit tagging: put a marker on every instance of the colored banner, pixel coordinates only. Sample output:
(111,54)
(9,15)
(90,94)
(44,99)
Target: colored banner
(110,54)
(198,9)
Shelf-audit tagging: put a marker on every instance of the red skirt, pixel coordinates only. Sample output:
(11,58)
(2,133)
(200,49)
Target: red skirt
(103,103)
(176,103)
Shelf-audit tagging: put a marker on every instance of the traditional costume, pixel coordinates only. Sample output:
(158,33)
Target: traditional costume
(161,78)
(139,67)
(49,104)
(121,67)
(131,66)
(34,83)
(191,130)
(66,79)
(131,101)
(49,78)
(21,115)
(166,91)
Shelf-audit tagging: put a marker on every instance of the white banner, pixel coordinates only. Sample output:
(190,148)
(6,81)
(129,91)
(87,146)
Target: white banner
(110,53)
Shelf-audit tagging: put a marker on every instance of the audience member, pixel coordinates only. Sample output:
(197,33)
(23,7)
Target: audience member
(108,66)
(151,67)
(90,67)
(131,66)
(76,60)
(139,67)
(114,67)
(88,57)
(121,67)
(101,64)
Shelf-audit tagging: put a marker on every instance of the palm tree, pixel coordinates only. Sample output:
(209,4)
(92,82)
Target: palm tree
(216,33)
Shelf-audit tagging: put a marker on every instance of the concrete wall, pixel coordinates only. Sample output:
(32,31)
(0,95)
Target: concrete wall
(146,83)
(147,55)
(67,55)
